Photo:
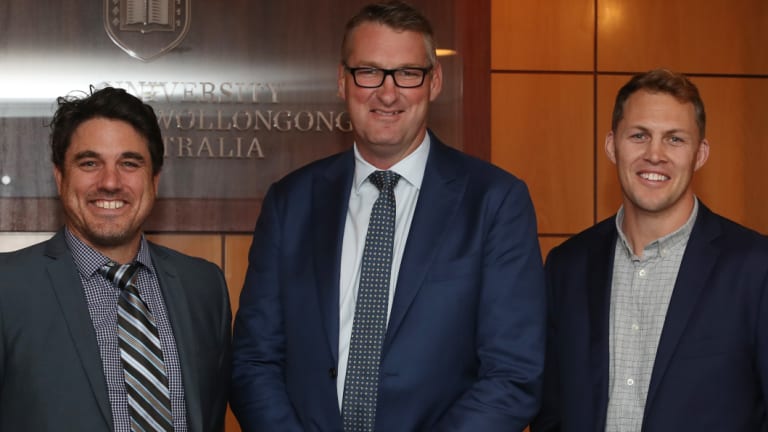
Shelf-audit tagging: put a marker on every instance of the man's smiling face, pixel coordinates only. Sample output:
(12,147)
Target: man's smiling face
(106,184)
(656,148)
(389,122)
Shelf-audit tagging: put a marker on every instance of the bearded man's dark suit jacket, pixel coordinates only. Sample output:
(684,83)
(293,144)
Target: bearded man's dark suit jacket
(51,376)
(465,340)
(711,367)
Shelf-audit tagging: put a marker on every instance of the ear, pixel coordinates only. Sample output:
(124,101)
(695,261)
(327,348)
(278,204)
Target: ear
(436,81)
(57,175)
(610,147)
(156,182)
(342,82)
(702,154)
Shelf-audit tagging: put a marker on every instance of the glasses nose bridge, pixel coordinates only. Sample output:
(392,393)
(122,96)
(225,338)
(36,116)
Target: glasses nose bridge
(389,72)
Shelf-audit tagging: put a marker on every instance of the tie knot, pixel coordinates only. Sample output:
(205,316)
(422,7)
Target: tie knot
(384,180)
(120,275)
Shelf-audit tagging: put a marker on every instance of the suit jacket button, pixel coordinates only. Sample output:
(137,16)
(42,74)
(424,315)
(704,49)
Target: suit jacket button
(333,373)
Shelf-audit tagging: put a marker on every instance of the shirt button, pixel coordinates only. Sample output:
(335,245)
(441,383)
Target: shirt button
(630,382)
(635,327)
(641,273)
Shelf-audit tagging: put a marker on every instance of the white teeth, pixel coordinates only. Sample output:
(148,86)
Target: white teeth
(654,176)
(109,204)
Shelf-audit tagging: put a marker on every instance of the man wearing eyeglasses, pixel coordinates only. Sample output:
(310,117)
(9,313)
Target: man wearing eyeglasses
(397,286)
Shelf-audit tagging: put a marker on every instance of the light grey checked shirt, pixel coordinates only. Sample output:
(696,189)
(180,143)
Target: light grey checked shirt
(640,294)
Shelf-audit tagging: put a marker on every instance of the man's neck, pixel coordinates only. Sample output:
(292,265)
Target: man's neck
(643,227)
(122,254)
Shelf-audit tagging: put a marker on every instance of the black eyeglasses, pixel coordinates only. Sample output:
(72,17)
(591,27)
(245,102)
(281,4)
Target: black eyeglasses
(371,77)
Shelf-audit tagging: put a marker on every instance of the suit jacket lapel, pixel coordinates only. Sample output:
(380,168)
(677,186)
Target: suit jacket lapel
(68,289)
(183,331)
(698,260)
(599,279)
(441,191)
(330,201)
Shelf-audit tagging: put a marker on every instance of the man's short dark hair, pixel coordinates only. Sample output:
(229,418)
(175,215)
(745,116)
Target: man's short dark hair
(109,103)
(661,81)
(396,15)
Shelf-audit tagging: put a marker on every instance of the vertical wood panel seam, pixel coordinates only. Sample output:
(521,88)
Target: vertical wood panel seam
(594,113)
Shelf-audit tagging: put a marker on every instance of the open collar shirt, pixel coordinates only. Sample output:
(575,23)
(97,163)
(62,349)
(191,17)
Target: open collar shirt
(640,293)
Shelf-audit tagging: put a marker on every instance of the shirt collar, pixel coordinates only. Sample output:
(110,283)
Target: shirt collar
(89,260)
(661,246)
(410,169)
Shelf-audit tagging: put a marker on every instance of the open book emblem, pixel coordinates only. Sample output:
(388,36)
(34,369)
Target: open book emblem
(146,29)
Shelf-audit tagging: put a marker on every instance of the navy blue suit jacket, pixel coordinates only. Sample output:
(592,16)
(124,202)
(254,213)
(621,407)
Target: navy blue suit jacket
(711,367)
(465,342)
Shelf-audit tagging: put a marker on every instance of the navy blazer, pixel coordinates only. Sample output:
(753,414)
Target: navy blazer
(51,376)
(711,367)
(465,342)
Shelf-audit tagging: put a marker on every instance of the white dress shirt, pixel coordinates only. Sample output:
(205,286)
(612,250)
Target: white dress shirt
(361,199)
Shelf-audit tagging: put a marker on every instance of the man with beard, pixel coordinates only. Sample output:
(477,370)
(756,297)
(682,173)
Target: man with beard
(101,330)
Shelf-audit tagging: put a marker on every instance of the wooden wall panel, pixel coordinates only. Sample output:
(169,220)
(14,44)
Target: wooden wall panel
(720,37)
(236,258)
(542,35)
(208,247)
(542,132)
(608,194)
(734,181)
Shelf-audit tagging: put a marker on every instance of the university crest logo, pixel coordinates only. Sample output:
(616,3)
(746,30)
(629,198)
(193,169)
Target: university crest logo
(146,29)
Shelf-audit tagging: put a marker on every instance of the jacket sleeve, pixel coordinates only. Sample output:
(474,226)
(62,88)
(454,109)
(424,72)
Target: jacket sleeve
(510,325)
(259,398)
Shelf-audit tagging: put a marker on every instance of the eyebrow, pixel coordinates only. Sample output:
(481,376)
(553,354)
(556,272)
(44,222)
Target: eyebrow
(133,155)
(677,131)
(85,154)
(665,132)
(376,65)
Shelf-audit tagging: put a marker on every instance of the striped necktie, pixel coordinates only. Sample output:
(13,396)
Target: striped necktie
(369,324)
(146,381)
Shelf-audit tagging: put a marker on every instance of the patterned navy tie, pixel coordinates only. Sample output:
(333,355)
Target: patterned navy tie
(370,322)
(146,381)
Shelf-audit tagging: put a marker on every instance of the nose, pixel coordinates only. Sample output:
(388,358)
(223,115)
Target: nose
(387,93)
(654,152)
(109,178)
